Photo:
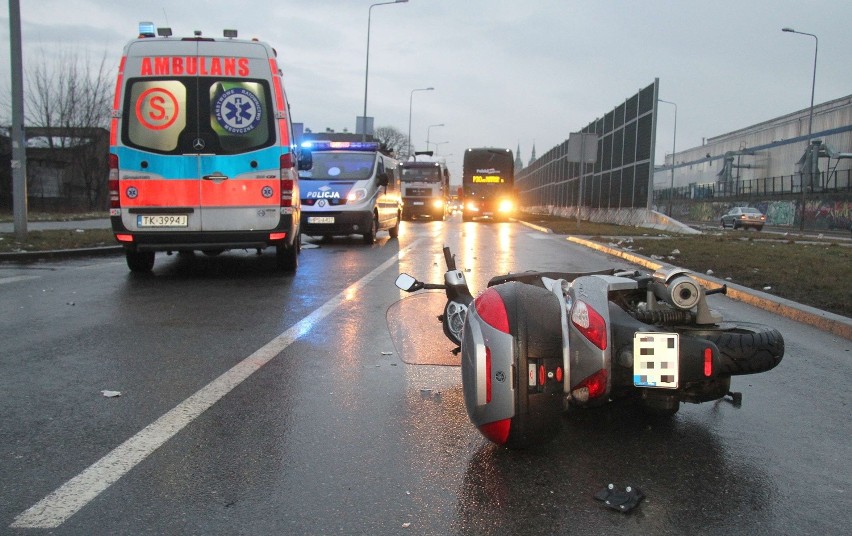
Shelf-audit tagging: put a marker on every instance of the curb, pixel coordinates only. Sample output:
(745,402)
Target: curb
(830,322)
(536,227)
(28,256)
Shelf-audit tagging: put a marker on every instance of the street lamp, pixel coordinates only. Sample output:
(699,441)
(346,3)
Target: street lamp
(436,144)
(428,132)
(410,101)
(367,69)
(674,141)
(810,119)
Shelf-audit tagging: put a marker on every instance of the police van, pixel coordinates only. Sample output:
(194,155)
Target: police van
(202,154)
(351,188)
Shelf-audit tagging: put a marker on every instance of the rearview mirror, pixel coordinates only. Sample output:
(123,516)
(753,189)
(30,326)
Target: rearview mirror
(306,160)
(406,282)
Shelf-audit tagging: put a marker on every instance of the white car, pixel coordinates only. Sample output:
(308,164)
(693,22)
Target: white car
(744,217)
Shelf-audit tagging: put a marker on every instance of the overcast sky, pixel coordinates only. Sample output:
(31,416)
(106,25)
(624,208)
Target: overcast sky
(505,72)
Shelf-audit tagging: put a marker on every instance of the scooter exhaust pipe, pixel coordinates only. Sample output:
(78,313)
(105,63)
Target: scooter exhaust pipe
(681,292)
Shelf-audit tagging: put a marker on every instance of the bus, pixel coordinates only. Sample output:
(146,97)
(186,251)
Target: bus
(488,184)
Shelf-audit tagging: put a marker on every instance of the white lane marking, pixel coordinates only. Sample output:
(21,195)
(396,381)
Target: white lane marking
(15,279)
(69,498)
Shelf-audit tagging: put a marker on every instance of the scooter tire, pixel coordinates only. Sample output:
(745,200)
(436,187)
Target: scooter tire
(744,348)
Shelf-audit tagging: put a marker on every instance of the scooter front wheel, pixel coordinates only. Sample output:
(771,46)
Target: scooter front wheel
(454,314)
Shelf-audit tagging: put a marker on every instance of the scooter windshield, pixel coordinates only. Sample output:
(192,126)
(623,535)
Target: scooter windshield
(417,335)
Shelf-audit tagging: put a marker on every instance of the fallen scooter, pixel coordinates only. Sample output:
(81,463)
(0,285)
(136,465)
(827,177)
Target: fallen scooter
(535,344)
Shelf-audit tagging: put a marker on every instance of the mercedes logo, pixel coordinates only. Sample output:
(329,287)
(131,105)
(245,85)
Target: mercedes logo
(198,144)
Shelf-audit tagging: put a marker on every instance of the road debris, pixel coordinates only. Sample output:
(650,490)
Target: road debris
(623,501)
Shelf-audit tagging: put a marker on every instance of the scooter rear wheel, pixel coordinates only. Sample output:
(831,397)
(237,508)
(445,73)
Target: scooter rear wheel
(744,348)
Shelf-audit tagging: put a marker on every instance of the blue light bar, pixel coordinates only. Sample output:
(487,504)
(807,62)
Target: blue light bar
(146,29)
(341,145)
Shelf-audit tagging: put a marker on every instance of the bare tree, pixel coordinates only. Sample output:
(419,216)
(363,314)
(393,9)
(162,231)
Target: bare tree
(68,103)
(393,141)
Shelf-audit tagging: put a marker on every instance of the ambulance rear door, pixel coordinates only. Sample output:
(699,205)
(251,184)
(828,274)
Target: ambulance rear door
(238,143)
(158,171)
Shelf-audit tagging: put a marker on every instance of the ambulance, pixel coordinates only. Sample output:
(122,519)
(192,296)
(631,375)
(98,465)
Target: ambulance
(202,156)
(351,188)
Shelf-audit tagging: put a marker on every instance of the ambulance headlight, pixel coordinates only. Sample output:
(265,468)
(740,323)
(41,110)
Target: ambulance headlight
(356,195)
(506,205)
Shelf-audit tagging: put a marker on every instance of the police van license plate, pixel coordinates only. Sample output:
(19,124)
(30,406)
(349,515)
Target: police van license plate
(161,220)
(656,360)
(320,219)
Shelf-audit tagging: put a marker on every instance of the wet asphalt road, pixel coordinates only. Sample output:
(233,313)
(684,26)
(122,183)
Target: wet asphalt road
(325,428)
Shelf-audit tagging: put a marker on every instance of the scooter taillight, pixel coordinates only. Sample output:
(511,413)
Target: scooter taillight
(497,431)
(593,386)
(491,308)
(589,323)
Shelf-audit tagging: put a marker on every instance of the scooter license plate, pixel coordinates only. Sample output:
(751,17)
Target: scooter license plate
(656,360)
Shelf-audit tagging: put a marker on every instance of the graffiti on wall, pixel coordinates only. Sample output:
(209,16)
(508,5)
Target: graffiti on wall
(829,214)
(819,214)
(702,212)
(780,212)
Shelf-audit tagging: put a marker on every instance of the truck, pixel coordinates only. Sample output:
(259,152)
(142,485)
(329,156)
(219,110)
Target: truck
(488,184)
(425,187)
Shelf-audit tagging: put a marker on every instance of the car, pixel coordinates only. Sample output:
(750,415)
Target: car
(744,217)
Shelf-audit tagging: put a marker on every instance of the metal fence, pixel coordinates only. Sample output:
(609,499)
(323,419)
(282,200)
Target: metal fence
(826,182)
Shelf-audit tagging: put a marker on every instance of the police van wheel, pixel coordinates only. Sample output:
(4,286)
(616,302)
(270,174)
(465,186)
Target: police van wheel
(140,261)
(370,236)
(287,258)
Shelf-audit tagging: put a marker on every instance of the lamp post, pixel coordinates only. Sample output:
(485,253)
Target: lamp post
(410,101)
(367,68)
(674,142)
(436,144)
(810,119)
(428,133)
